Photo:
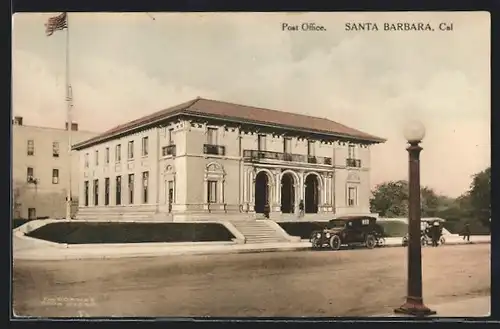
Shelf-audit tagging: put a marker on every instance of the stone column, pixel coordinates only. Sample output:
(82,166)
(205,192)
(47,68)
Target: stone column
(245,186)
(252,191)
(221,196)
(300,194)
(277,192)
(325,189)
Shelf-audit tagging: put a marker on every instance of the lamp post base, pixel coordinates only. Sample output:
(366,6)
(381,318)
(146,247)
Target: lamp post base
(415,309)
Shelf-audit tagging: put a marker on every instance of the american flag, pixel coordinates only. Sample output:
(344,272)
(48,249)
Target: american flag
(56,23)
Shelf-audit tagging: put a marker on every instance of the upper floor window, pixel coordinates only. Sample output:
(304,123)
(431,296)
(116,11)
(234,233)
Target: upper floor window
(145,144)
(86,160)
(55,149)
(212,136)
(106,155)
(287,145)
(261,142)
(131,149)
(169,136)
(350,152)
(118,153)
(55,176)
(96,157)
(30,174)
(310,148)
(31,147)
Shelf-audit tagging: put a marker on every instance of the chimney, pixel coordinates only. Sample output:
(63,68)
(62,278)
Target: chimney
(18,121)
(74,126)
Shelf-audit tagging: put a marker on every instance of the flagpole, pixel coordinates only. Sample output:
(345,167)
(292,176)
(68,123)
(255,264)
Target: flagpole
(69,124)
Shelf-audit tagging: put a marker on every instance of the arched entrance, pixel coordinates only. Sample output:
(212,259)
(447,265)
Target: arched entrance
(311,194)
(261,192)
(287,194)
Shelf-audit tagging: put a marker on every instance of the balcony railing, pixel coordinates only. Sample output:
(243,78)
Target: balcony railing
(353,163)
(214,149)
(168,150)
(255,155)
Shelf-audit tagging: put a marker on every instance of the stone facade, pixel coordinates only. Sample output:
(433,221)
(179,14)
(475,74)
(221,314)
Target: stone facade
(187,169)
(40,170)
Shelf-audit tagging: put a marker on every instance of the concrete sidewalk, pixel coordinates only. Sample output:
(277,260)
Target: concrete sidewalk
(33,249)
(465,308)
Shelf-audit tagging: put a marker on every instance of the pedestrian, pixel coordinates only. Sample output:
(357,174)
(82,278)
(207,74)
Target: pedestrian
(435,233)
(267,210)
(466,233)
(301,208)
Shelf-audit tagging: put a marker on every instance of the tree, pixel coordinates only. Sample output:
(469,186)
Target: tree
(390,199)
(479,196)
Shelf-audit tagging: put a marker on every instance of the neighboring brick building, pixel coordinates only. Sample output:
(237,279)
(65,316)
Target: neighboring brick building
(40,169)
(205,158)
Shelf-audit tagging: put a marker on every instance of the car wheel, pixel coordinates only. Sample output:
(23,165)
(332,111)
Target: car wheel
(335,242)
(315,243)
(442,240)
(370,242)
(423,242)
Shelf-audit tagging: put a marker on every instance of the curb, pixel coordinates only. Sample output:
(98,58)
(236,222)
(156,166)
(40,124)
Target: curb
(160,254)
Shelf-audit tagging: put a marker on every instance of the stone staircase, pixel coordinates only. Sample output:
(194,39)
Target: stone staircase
(261,231)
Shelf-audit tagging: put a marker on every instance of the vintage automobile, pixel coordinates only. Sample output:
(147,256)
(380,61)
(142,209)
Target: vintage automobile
(425,239)
(350,231)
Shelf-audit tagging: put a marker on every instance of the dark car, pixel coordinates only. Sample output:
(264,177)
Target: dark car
(350,231)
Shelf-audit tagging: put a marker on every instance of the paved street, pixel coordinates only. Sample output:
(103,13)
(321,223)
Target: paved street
(306,283)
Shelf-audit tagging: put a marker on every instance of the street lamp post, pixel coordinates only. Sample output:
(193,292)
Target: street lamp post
(414,305)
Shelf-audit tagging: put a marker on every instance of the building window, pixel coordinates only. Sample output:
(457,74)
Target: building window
(170,195)
(106,191)
(350,152)
(261,142)
(287,145)
(131,149)
(86,192)
(118,153)
(31,147)
(96,157)
(55,176)
(86,160)
(310,148)
(131,188)
(145,183)
(30,175)
(352,196)
(212,191)
(31,213)
(118,190)
(55,149)
(145,142)
(106,155)
(212,136)
(96,192)
(169,136)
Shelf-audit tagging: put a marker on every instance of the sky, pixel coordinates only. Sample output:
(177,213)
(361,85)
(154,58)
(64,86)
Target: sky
(126,65)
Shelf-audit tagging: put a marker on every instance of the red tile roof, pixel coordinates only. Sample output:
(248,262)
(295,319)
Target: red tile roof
(239,113)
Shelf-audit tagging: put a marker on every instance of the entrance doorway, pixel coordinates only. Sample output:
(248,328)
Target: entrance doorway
(287,194)
(261,192)
(311,194)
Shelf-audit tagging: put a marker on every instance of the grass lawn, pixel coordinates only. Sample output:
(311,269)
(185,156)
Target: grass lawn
(302,229)
(115,232)
(305,229)
(18,222)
